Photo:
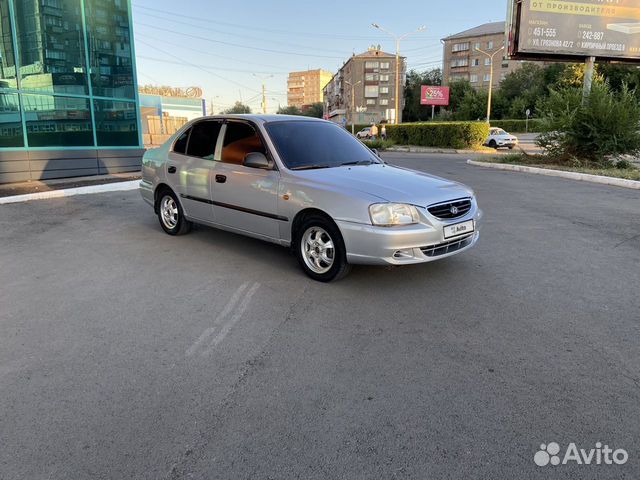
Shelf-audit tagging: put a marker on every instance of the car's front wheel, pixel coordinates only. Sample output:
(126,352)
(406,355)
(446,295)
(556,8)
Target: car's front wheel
(320,249)
(171,215)
(493,144)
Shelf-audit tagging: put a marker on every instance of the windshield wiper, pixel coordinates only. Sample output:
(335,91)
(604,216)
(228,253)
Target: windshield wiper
(311,167)
(359,162)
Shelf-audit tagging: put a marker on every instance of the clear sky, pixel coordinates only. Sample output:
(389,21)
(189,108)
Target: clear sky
(222,45)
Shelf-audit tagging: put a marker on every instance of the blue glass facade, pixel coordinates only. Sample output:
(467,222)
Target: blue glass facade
(67,82)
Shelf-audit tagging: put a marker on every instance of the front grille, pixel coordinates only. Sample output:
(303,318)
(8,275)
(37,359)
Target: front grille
(444,210)
(447,247)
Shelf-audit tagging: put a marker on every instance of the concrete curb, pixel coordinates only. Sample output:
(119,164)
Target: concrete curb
(69,192)
(584,177)
(437,150)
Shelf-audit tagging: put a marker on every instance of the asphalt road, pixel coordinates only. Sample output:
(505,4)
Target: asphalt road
(129,354)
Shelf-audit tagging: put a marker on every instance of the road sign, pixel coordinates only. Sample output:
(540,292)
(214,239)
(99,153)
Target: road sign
(558,29)
(434,95)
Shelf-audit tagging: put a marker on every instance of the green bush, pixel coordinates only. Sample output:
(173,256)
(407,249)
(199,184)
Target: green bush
(440,134)
(518,126)
(596,133)
(379,143)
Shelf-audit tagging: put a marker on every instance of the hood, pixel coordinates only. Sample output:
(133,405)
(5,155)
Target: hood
(389,183)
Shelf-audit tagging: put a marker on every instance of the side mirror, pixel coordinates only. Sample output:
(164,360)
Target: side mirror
(257,160)
(375,152)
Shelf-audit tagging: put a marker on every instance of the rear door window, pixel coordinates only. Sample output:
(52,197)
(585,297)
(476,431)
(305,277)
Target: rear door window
(203,139)
(181,143)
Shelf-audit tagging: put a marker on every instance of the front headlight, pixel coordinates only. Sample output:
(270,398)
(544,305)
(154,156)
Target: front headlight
(390,214)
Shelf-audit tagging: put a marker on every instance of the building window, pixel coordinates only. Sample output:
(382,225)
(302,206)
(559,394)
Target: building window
(460,47)
(505,64)
(384,89)
(490,44)
(384,78)
(54,121)
(476,46)
(52,57)
(487,77)
(475,62)
(384,101)
(10,121)
(371,91)
(371,77)
(116,123)
(503,75)
(7,49)
(371,64)
(371,101)
(487,62)
(111,60)
(473,78)
(459,62)
(384,65)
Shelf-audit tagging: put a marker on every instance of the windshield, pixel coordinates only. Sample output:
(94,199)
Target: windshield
(499,131)
(306,144)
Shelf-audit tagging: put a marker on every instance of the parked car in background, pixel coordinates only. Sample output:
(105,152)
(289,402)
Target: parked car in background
(498,138)
(309,185)
(364,133)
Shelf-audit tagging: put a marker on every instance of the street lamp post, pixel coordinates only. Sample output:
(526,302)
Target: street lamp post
(352,103)
(490,56)
(264,92)
(397,39)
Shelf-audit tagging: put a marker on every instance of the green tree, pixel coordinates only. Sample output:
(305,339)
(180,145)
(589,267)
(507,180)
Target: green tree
(238,107)
(314,110)
(413,111)
(459,89)
(289,110)
(592,133)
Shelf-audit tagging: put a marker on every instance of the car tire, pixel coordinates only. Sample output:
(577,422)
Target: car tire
(493,144)
(171,215)
(318,261)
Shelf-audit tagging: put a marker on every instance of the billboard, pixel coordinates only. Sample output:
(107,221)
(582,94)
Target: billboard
(434,95)
(558,29)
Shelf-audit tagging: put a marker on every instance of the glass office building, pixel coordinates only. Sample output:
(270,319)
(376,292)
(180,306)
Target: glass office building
(68,89)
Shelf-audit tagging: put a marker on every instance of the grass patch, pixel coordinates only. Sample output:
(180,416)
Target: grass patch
(626,170)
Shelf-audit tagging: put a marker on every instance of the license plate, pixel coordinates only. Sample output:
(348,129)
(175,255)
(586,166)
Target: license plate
(458,229)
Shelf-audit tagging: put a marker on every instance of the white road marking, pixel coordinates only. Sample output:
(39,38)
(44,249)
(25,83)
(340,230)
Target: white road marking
(209,331)
(226,328)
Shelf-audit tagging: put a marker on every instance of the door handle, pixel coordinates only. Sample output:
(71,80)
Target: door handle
(171,169)
(221,178)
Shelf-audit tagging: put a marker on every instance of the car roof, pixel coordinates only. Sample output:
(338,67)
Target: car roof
(265,118)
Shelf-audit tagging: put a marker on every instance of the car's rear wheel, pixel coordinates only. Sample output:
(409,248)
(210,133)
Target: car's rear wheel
(171,215)
(320,249)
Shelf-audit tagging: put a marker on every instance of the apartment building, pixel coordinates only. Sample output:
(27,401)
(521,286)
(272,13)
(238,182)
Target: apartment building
(463,61)
(305,88)
(363,90)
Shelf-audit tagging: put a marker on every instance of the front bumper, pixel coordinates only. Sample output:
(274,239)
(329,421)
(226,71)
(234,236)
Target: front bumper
(421,243)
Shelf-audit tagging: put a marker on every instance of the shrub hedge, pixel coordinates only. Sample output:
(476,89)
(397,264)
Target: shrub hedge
(440,134)
(518,126)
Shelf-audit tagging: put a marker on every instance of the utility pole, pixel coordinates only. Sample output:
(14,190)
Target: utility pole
(352,104)
(264,92)
(398,76)
(490,55)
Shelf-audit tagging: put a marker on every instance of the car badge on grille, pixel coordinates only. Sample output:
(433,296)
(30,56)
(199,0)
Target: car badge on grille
(453,210)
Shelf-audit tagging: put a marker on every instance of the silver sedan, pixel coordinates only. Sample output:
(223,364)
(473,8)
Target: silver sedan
(309,185)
